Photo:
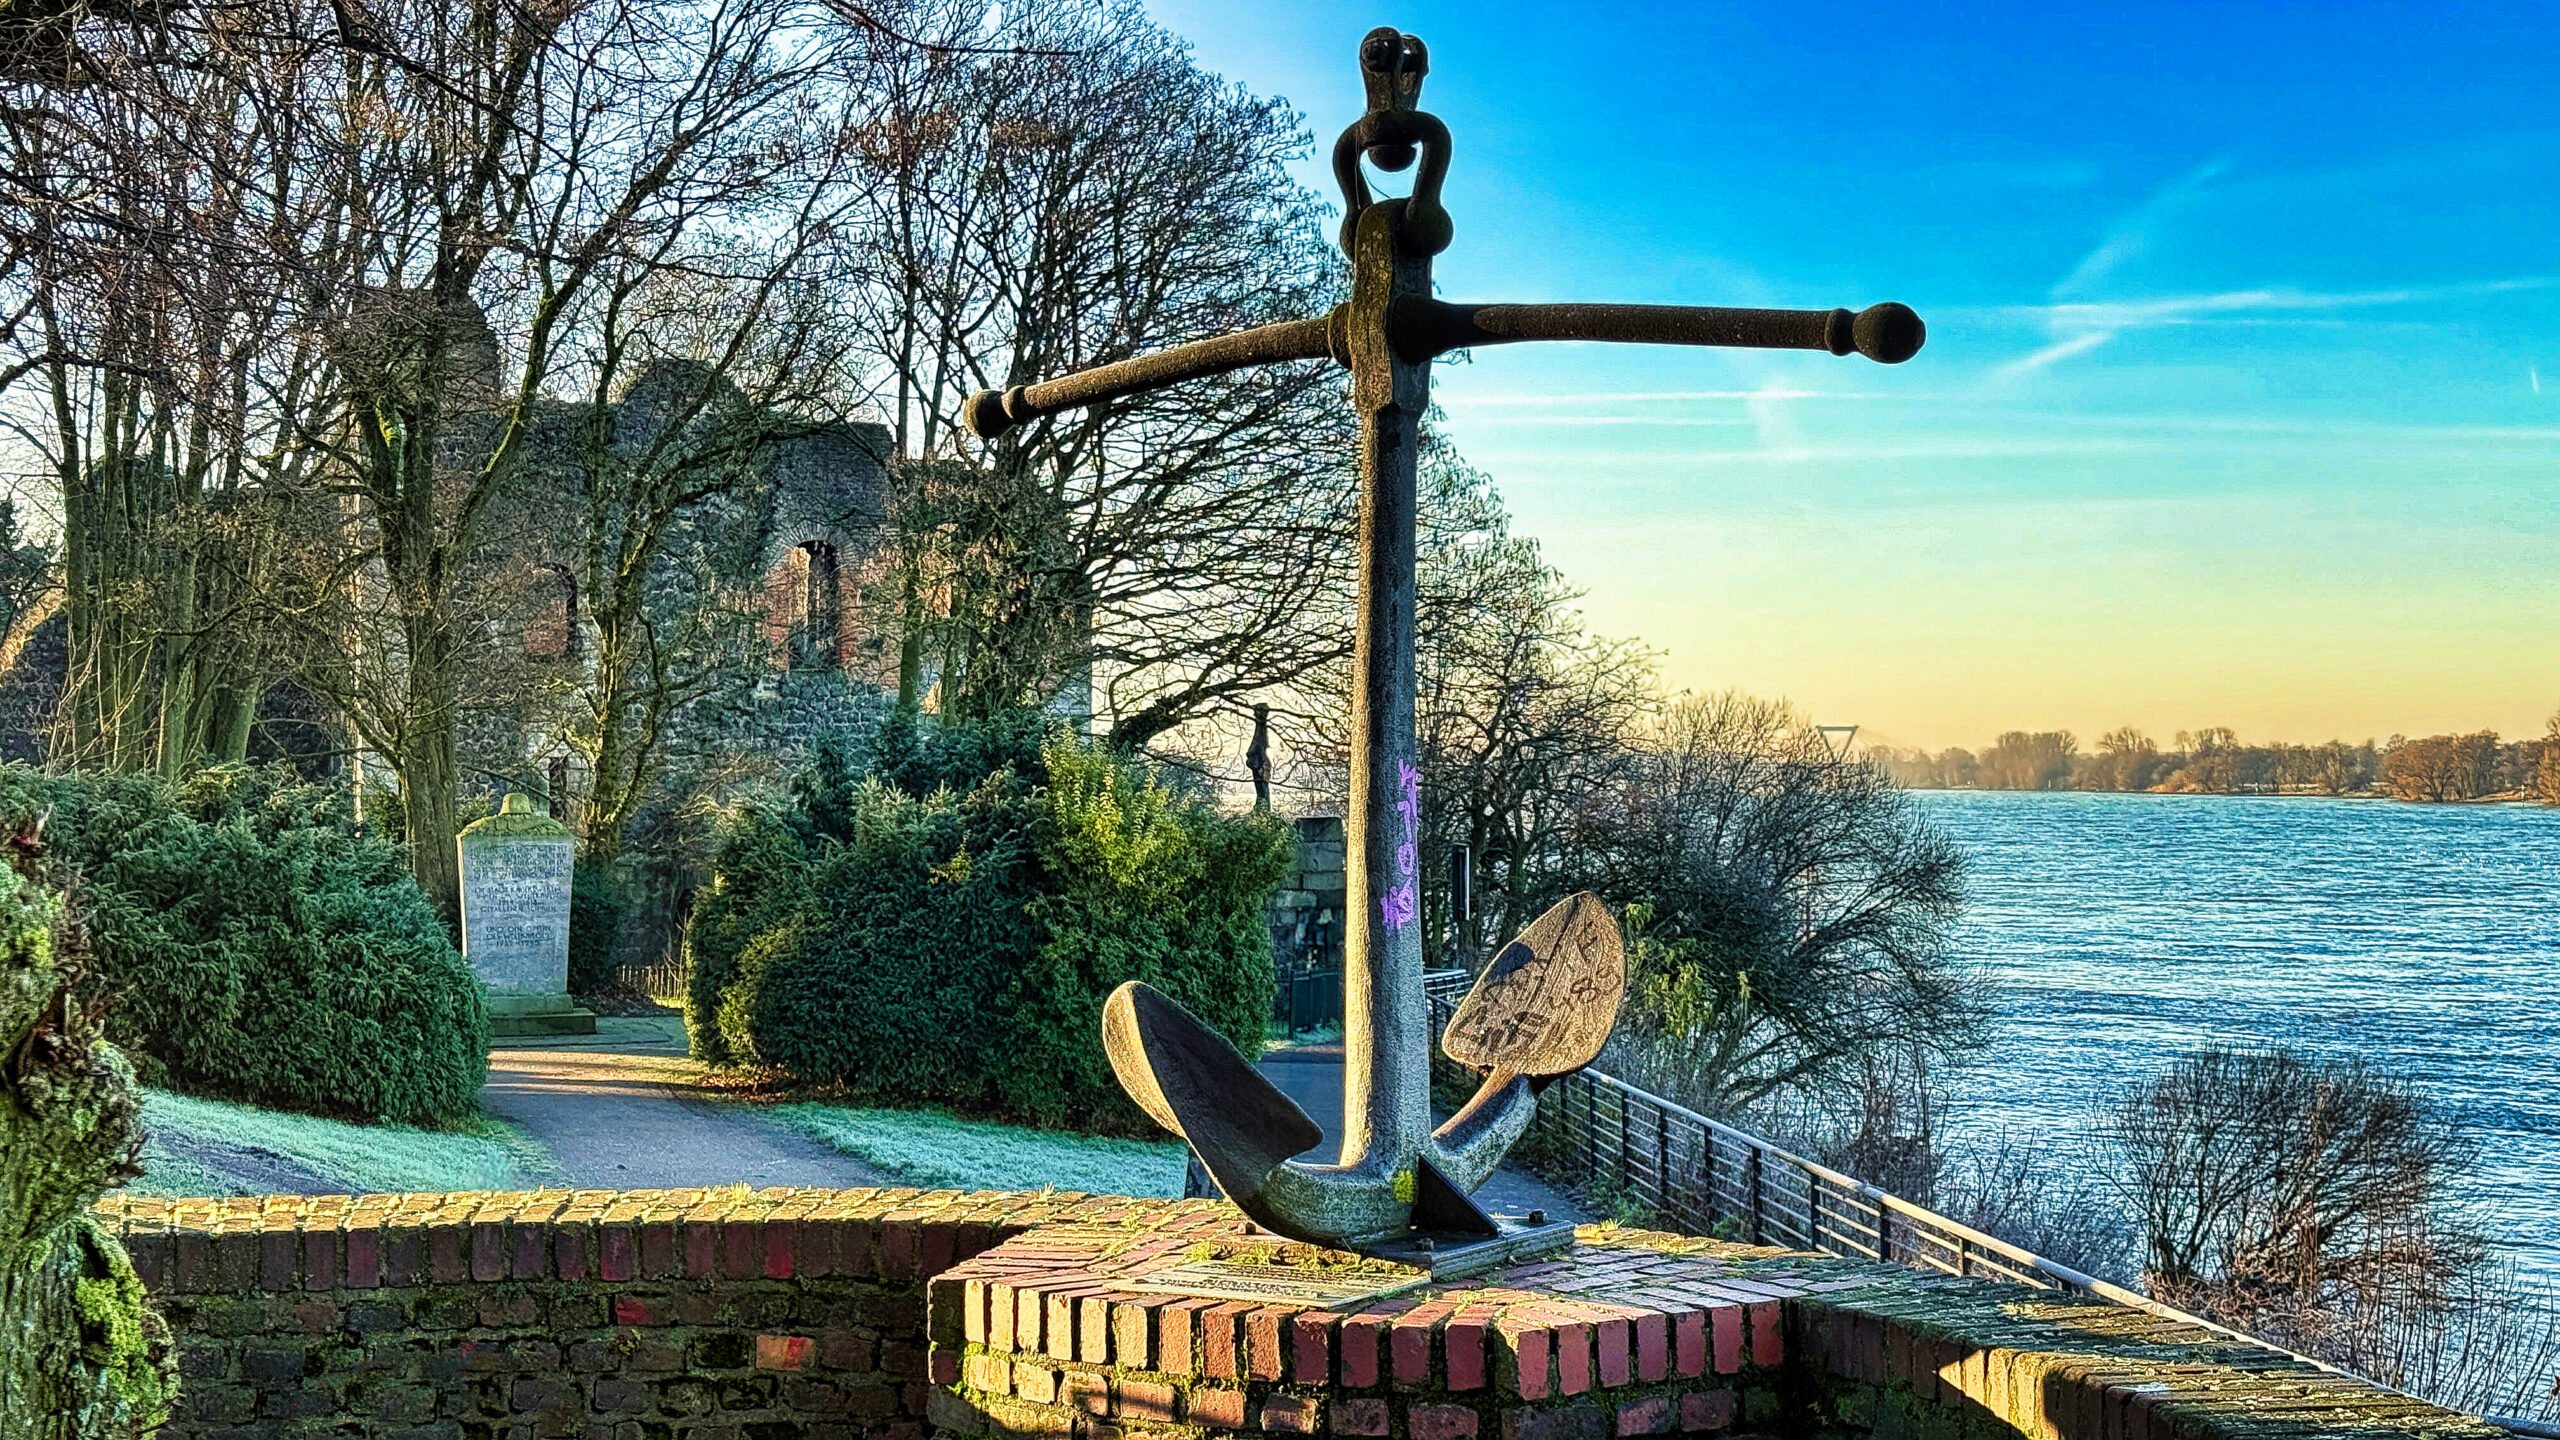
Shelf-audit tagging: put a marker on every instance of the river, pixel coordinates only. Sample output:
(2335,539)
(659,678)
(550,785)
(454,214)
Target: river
(2119,930)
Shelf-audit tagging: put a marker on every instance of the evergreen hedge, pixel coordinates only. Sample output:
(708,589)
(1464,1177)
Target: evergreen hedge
(255,948)
(942,925)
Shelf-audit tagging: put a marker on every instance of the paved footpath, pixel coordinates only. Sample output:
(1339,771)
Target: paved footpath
(621,1110)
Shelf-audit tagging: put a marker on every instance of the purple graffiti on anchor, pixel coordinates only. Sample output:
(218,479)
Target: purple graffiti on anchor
(1402,903)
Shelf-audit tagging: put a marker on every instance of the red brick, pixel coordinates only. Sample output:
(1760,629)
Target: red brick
(987,1373)
(488,1250)
(1531,1377)
(404,1255)
(1768,1336)
(1086,1390)
(1221,1340)
(1409,1342)
(741,1249)
(1615,1360)
(856,1244)
(275,1260)
(1267,1344)
(1035,1383)
(781,1246)
(1440,1422)
(569,1252)
(1132,1326)
(1361,1335)
(1706,1410)
(634,1310)
(898,1247)
(364,1258)
(1027,1310)
(1728,1328)
(784,1352)
(700,1242)
(1653,1346)
(1215,1406)
(613,1255)
(1093,1322)
(319,1260)
(1462,1345)
(1569,1422)
(1649,1416)
(444,1254)
(1177,1337)
(936,1252)
(1291,1415)
(1689,1344)
(1357,1417)
(973,1311)
(1312,1361)
(1573,1356)
(657,1250)
(1144,1400)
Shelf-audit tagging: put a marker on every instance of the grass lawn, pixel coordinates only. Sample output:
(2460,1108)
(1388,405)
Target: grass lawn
(924,1147)
(207,1147)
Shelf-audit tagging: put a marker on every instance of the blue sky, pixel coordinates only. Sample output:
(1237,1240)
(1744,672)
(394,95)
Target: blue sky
(2241,404)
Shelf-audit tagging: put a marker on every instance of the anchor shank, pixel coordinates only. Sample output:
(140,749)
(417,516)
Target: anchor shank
(1386,1021)
(1424,328)
(990,413)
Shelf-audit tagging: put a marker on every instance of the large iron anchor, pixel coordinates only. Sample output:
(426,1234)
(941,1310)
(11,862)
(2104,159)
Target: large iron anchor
(1546,1003)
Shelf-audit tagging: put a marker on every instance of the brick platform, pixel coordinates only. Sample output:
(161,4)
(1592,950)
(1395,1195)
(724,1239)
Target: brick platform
(873,1314)
(1631,1334)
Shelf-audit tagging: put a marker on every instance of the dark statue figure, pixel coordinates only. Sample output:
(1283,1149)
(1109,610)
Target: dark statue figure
(1546,1003)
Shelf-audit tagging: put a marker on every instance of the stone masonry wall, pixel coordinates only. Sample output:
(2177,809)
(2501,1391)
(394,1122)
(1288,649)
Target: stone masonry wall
(885,1314)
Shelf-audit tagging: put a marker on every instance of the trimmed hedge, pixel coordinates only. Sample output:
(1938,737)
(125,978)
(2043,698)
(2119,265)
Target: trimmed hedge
(255,948)
(943,925)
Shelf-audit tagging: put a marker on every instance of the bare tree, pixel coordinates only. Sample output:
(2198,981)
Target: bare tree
(2264,1174)
(1087,196)
(1790,911)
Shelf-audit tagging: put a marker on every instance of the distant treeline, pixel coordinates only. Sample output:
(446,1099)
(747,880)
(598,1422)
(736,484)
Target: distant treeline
(2437,768)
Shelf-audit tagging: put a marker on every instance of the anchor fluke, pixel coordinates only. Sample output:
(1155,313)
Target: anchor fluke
(1545,1004)
(1192,1082)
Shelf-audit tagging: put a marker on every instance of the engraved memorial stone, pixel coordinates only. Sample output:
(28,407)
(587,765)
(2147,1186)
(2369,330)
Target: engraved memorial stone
(1545,1005)
(516,866)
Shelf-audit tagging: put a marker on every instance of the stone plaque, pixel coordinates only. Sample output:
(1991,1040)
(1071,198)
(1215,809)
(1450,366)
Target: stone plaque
(515,900)
(1237,1280)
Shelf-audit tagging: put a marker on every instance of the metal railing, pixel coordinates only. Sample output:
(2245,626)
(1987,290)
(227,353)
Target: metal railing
(1705,1177)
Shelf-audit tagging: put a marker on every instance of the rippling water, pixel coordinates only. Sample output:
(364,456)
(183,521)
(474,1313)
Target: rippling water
(2119,930)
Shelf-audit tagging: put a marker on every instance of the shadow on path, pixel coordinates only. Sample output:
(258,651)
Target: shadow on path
(622,1110)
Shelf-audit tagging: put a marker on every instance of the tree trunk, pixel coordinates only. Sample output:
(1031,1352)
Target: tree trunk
(429,764)
(85,1356)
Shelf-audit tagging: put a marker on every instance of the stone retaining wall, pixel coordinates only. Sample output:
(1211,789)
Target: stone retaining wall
(669,1315)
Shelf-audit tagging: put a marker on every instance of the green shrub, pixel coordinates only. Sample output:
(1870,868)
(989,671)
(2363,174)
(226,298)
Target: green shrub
(932,931)
(256,948)
(596,913)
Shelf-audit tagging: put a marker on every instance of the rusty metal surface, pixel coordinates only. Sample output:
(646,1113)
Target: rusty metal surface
(1192,1082)
(1546,1003)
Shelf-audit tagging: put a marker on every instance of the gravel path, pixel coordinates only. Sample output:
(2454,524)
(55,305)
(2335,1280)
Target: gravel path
(620,1110)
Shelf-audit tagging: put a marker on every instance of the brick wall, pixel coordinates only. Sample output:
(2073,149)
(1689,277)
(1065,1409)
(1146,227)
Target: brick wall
(622,1316)
(688,1314)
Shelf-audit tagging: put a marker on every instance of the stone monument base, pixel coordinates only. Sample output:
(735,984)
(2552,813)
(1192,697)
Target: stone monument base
(515,1014)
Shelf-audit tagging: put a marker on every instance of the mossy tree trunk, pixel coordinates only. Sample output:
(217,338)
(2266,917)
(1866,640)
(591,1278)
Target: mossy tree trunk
(84,1356)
